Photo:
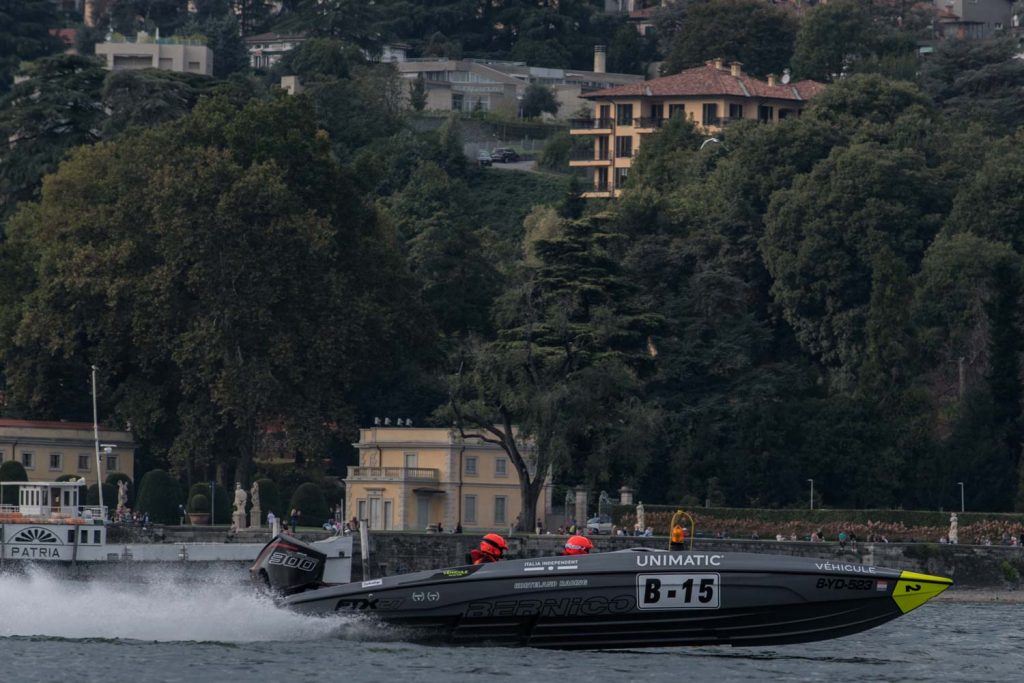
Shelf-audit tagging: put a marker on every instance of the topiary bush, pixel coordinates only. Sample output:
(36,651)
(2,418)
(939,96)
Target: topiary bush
(159,495)
(199,503)
(11,470)
(309,500)
(92,496)
(223,503)
(68,477)
(270,499)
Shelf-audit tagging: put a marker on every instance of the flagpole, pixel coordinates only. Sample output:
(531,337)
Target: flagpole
(96,436)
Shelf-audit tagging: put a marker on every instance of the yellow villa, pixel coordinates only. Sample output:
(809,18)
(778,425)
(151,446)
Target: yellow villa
(711,95)
(48,450)
(414,478)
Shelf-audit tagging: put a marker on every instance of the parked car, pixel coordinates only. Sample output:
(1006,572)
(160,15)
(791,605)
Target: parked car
(504,155)
(484,158)
(602,524)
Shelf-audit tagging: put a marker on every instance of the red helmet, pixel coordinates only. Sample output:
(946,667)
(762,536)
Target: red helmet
(578,545)
(493,545)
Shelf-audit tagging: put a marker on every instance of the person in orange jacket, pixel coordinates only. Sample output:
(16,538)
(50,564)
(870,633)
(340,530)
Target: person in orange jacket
(578,545)
(492,548)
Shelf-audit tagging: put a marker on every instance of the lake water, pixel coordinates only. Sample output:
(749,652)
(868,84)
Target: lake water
(58,630)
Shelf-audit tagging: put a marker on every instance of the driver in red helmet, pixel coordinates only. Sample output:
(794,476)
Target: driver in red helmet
(491,549)
(578,545)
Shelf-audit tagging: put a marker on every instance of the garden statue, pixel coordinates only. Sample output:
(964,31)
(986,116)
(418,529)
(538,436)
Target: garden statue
(254,511)
(953,533)
(641,518)
(238,518)
(122,496)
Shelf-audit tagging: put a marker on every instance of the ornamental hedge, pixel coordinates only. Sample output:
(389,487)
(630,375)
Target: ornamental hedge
(11,470)
(199,503)
(270,499)
(309,500)
(223,503)
(92,497)
(160,496)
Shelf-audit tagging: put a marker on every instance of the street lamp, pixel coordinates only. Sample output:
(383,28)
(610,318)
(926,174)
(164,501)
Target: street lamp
(812,493)
(961,485)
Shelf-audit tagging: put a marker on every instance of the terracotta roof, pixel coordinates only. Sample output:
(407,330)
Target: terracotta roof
(709,80)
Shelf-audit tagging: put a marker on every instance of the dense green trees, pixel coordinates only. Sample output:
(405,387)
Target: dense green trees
(758,34)
(835,297)
(24,35)
(198,329)
(538,100)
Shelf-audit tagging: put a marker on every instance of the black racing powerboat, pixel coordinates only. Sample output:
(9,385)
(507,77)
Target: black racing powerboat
(623,599)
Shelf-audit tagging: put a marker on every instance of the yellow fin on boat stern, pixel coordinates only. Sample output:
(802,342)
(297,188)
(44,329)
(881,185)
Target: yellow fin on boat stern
(913,589)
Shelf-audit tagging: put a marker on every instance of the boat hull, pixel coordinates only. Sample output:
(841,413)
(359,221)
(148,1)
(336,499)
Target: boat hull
(634,598)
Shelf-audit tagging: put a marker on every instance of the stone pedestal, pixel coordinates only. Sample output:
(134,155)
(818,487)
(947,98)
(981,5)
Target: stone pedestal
(254,517)
(238,520)
(581,507)
(625,496)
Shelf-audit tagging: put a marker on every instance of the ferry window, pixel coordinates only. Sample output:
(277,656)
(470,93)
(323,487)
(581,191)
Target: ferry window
(96,536)
(26,460)
(55,463)
(471,465)
(500,505)
(85,536)
(111,463)
(501,467)
(71,535)
(83,463)
(469,509)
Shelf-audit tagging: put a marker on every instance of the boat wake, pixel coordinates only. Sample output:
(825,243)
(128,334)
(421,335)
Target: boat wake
(218,609)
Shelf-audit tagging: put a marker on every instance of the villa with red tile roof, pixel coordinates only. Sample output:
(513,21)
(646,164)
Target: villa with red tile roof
(711,95)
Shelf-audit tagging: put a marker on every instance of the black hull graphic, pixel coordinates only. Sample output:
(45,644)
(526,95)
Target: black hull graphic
(633,599)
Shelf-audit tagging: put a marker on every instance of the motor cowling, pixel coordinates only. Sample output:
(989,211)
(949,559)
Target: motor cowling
(286,565)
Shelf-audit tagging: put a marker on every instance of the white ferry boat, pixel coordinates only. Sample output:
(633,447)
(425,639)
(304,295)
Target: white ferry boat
(50,526)
(49,523)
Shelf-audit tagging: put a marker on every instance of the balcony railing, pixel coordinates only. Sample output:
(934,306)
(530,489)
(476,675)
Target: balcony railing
(650,123)
(590,155)
(394,473)
(590,124)
(720,121)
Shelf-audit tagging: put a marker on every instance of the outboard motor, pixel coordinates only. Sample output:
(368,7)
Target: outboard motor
(286,565)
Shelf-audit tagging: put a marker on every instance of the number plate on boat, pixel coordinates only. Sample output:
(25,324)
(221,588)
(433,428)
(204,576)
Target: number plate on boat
(677,591)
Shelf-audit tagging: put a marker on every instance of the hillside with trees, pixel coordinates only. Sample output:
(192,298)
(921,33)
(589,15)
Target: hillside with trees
(837,297)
